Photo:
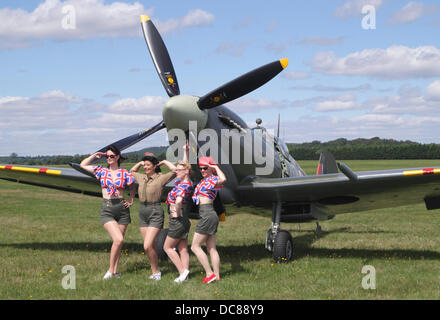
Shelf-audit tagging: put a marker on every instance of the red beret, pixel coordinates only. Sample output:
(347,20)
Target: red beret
(204,161)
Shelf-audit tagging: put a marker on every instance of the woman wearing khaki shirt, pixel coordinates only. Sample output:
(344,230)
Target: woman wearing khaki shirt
(151,215)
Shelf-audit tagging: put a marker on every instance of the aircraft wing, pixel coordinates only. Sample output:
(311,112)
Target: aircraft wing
(67,179)
(73,179)
(348,191)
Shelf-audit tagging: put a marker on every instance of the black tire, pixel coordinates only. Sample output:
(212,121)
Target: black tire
(283,247)
(159,242)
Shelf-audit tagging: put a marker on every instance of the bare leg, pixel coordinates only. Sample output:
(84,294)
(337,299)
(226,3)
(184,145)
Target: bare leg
(213,253)
(169,245)
(116,232)
(184,254)
(196,247)
(149,234)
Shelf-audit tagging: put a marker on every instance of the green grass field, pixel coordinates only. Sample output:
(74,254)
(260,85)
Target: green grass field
(44,230)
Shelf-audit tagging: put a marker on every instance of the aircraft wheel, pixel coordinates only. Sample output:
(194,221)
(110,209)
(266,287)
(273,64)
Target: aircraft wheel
(283,247)
(159,242)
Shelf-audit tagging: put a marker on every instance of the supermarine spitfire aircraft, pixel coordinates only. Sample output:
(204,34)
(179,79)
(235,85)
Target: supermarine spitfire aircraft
(292,195)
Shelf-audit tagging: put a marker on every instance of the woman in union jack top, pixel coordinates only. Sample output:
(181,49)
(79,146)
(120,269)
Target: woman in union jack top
(115,212)
(179,224)
(204,196)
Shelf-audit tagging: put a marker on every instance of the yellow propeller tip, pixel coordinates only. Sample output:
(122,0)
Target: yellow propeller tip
(144,18)
(284,62)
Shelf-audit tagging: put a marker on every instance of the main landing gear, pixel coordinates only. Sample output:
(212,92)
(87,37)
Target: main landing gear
(278,241)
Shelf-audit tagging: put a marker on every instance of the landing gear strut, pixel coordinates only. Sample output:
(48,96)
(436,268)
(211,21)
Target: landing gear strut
(278,241)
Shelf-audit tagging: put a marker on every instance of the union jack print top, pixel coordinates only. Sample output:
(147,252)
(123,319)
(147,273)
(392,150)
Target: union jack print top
(207,188)
(181,189)
(123,179)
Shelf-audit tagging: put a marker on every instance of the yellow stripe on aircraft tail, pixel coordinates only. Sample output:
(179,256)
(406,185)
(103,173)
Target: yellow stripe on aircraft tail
(420,172)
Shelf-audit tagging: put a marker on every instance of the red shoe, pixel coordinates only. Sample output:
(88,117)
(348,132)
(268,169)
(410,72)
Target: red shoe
(210,279)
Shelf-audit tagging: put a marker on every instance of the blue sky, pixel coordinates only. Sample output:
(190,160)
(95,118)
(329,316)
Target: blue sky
(73,90)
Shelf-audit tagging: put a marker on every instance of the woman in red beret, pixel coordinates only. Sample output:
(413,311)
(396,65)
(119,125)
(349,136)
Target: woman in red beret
(206,229)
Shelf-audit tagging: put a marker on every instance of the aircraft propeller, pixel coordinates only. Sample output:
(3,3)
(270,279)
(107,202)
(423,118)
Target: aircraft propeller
(181,108)
(160,56)
(242,85)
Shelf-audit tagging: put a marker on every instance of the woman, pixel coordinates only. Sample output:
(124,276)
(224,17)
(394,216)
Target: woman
(204,196)
(179,224)
(151,216)
(115,212)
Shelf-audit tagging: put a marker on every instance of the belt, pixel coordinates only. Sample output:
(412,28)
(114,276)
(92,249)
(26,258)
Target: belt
(118,200)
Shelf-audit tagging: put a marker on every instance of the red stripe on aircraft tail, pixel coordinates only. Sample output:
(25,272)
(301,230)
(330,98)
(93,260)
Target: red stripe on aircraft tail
(319,170)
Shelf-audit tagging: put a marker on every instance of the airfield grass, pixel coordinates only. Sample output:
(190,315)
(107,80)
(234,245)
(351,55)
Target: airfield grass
(44,230)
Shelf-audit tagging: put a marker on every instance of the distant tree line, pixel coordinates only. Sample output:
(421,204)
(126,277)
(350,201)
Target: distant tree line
(357,149)
(134,156)
(366,149)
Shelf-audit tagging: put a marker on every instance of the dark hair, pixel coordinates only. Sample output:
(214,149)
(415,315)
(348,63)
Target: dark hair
(117,152)
(154,161)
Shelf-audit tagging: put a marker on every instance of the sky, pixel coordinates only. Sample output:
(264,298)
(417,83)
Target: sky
(76,75)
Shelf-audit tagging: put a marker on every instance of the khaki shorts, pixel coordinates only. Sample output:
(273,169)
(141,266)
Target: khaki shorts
(208,222)
(114,210)
(179,227)
(151,215)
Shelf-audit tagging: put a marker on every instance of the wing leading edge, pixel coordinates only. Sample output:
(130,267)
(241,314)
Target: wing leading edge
(349,191)
(66,179)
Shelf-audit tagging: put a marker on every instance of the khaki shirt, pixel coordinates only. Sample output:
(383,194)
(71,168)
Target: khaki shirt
(150,188)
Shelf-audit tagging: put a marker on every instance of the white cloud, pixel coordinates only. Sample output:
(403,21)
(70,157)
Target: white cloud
(56,122)
(321,41)
(341,103)
(433,91)
(353,8)
(235,50)
(410,101)
(410,114)
(193,18)
(411,12)
(150,104)
(395,62)
(252,105)
(295,75)
(317,87)
(93,18)
(273,25)
(278,47)
(329,127)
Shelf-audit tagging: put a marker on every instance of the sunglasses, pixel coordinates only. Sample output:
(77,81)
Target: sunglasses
(110,156)
(203,168)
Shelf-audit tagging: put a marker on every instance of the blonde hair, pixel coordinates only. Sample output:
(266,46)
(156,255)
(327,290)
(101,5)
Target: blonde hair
(185,165)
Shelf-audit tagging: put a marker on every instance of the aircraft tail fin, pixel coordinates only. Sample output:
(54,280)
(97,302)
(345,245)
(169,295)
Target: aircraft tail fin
(327,163)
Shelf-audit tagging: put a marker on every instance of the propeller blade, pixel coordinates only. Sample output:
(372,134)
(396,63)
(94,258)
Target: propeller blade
(134,138)
(242,85)
(160,56)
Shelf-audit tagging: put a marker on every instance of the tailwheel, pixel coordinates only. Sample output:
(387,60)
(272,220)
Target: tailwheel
(283,247)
